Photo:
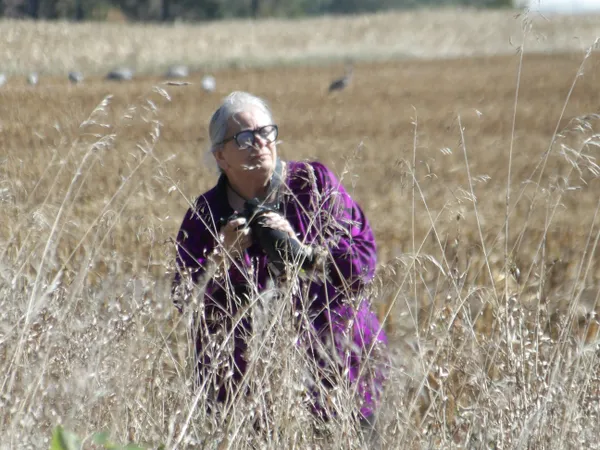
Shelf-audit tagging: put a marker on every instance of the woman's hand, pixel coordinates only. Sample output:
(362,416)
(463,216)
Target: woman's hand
(235,237)
(279,223)
(314,254)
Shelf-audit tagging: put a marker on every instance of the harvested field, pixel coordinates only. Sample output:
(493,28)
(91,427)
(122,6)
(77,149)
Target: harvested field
(96,186)
(371,126)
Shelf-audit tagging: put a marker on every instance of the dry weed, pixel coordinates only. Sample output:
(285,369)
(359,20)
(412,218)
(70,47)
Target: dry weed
(490,299)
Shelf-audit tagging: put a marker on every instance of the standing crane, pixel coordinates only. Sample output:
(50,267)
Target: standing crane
(341,83)
(75,77)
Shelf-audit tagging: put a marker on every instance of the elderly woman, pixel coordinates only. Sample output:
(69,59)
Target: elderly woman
(232,260)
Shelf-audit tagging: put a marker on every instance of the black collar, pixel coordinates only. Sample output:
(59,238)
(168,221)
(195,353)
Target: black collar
(274,193)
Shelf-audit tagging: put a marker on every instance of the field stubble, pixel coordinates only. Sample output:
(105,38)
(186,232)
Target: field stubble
(485,348)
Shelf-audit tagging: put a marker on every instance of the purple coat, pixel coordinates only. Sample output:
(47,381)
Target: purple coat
(322,213)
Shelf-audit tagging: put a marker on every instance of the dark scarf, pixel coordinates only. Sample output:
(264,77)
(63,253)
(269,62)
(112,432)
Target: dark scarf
(272,199)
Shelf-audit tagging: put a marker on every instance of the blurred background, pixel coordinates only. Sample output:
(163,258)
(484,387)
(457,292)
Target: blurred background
(205,10)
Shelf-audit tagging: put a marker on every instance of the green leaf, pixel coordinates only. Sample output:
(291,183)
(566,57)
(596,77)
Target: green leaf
(133,447)
(64,440)
(100,438)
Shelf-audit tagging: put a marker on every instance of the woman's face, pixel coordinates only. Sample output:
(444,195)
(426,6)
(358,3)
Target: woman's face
(258,153)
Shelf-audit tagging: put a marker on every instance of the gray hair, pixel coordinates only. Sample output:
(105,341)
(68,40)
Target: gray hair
(234,103)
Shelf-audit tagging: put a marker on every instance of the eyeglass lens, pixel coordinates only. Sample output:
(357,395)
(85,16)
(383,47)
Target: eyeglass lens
(245,139)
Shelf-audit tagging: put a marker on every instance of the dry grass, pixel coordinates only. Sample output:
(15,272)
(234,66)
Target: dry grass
(54,48)
(492,320)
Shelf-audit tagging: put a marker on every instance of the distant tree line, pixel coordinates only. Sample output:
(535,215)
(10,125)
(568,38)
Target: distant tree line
(204,10)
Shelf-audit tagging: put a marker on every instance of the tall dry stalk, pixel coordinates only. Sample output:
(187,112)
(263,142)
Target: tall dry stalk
(489,290)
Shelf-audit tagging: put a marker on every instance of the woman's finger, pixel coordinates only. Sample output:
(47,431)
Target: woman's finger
(233,233)
(273,219)
(246,242)
(244,236)
(282,225)
(236,224)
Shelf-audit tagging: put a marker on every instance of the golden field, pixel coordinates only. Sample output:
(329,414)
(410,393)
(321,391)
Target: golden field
(479,175)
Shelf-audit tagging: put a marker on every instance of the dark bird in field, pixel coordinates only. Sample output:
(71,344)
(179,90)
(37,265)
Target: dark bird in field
(75,77)
(121,74)
(341,83)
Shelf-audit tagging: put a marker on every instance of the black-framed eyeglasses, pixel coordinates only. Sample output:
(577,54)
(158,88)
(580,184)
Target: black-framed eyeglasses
(247,138)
